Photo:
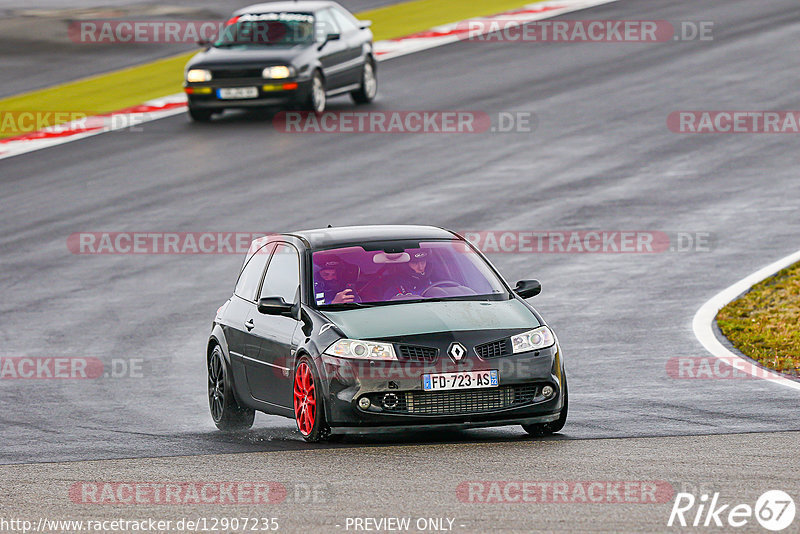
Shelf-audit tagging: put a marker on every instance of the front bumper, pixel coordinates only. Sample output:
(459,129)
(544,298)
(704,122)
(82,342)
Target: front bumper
(518,399)
(271,93)
(427,425)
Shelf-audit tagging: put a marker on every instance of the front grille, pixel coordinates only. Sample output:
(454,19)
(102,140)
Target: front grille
(467,401)
(495,349)
(227,74)
(415,353)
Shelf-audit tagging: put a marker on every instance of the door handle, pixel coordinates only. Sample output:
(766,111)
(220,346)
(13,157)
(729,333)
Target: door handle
(250,324)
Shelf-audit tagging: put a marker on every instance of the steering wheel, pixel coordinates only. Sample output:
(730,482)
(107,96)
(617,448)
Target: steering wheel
(442,283)
(354,292)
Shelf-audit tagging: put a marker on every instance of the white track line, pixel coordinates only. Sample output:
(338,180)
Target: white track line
(386,50)
(95,125)
(704,320)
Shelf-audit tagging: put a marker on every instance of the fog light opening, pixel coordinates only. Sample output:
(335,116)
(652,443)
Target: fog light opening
(548,391)
(364,403)
(390,401)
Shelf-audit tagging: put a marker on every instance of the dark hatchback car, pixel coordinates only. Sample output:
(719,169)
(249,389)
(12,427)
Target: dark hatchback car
(360,329)
(283,54)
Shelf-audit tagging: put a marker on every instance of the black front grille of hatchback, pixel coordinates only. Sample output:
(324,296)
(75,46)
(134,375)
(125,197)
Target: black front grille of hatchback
(227,74)
(495,349)
(415,353)
(468,401)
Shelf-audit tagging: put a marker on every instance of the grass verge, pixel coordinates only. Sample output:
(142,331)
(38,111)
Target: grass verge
(764,324)
(132,86)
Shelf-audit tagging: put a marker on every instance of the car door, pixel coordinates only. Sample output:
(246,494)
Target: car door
(353,37)
(243,345)
(335,54)
(271,378)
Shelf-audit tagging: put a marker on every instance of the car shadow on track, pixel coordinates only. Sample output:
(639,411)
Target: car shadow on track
(261,117)
(287,438)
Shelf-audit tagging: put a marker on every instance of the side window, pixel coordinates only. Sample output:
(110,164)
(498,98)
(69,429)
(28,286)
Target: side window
(325,24)
(344,20)
(283,275)
(248,282)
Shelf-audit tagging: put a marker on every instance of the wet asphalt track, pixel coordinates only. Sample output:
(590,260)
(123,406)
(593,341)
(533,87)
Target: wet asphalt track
(601,158)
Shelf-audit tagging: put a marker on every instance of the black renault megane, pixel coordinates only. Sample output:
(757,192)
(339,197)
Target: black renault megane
(284,54)
(368,328)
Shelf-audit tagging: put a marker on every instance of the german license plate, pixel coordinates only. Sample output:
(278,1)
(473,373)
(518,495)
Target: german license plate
(237,92)
(460,380)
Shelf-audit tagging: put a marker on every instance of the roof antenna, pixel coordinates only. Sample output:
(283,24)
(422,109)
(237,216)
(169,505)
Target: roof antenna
(330,225)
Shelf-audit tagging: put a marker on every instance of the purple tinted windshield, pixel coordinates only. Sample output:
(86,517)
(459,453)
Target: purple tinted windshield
(389,271)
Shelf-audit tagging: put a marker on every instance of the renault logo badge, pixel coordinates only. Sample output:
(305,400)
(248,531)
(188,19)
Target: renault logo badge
(457,351)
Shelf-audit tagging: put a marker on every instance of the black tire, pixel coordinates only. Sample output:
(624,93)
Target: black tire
(225,411)
(545,429)
(317,100)
(369,84)
(316,429)
(200,115)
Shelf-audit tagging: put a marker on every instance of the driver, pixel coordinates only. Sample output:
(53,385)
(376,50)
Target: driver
(330,285)
(415,278)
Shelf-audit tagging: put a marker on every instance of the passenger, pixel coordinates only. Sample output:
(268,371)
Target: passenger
(330,283)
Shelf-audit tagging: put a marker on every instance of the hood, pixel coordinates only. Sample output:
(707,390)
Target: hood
(243,55)
(430,317)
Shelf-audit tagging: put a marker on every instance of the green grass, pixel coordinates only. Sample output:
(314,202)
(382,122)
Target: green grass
(419,15)
(765,323)
(132,86)
(104,93)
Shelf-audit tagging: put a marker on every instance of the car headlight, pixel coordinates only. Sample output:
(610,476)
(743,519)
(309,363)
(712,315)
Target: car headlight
(538,338)
(361,350)
(277,73)
(198,75)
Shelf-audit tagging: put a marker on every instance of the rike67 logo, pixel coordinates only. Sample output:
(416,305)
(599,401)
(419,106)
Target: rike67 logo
(774,510)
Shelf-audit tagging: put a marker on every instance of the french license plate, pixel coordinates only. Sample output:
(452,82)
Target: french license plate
(460,380)
(237,92)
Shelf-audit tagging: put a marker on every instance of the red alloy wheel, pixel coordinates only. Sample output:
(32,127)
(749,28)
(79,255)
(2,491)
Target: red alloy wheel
(305,399)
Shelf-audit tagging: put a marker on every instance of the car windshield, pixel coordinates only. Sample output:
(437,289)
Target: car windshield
(391,272)
(268,29)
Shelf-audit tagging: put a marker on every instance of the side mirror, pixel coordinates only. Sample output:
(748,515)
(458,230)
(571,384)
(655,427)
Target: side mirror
(275,306)
(364,24)
(528,288)
(328,38)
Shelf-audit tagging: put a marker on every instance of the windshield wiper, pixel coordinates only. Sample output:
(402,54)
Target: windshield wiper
(356,305)
(454,298)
